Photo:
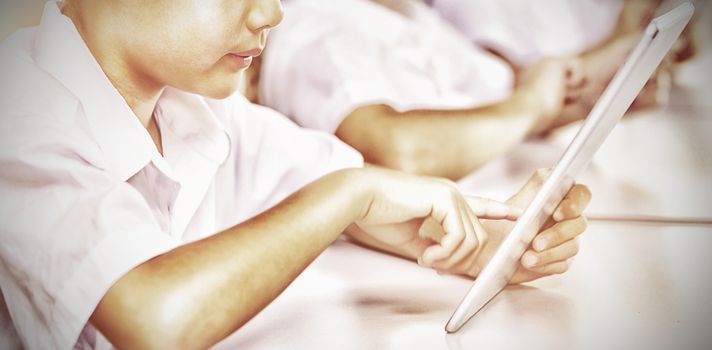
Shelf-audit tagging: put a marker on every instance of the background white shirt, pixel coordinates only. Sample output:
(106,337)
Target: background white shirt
(328,58)
(526,31)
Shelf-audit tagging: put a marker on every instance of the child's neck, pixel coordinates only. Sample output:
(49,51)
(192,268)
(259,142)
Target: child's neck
(139,92)
(141,101)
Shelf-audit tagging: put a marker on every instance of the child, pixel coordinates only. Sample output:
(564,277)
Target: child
(143,203)
(405,89)
(410,92)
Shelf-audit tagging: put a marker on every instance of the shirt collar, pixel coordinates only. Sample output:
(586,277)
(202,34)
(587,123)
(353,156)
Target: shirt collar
(60,50)
(194,123)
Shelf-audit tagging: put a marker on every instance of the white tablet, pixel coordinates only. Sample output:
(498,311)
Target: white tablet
(658,38)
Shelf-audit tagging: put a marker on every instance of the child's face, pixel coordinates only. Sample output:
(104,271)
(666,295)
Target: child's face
(200,46)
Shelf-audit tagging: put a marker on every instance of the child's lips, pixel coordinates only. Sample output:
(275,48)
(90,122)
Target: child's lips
(244,58)
(249,53)
(241,61)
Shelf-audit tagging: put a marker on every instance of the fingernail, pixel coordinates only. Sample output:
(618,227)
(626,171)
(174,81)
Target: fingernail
(541,244)
(530,260)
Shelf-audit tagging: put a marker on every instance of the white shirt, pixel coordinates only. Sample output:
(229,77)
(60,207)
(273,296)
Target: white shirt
(85,196)
(525,31)
(328,58)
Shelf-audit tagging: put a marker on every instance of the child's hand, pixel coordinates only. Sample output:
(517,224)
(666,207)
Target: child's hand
(551,249)
(656,92)
(424,218)
(547,85)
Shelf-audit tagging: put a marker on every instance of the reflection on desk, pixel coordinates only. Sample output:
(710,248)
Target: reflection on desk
(631,287)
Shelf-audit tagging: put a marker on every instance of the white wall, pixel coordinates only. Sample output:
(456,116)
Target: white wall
(15,14)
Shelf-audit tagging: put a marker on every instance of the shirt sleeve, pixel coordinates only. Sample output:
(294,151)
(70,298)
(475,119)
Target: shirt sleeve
(271,158)
(321,78)
(69,231)
(322,63)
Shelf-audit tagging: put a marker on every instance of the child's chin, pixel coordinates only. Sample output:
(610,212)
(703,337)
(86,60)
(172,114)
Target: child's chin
(221,92)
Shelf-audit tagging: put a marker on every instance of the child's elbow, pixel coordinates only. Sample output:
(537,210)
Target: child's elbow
(146,320)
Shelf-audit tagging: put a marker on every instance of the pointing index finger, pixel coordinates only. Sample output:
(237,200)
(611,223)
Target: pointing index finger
(485,208)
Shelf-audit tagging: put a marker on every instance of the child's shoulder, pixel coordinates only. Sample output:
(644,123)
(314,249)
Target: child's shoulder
(26,89)
(36,110)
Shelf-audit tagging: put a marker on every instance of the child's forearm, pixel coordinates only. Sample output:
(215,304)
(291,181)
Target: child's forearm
(197,294)
(446,143)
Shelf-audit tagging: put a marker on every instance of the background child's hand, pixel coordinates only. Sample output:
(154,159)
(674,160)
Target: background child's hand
(656,92)
(548,85)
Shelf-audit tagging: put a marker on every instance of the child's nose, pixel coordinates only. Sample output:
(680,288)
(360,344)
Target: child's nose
(265,14)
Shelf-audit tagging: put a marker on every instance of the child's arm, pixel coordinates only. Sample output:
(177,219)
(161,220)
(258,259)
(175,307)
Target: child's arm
(453,143)
(197,294)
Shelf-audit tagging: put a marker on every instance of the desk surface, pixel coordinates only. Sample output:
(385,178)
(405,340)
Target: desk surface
(633,286)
